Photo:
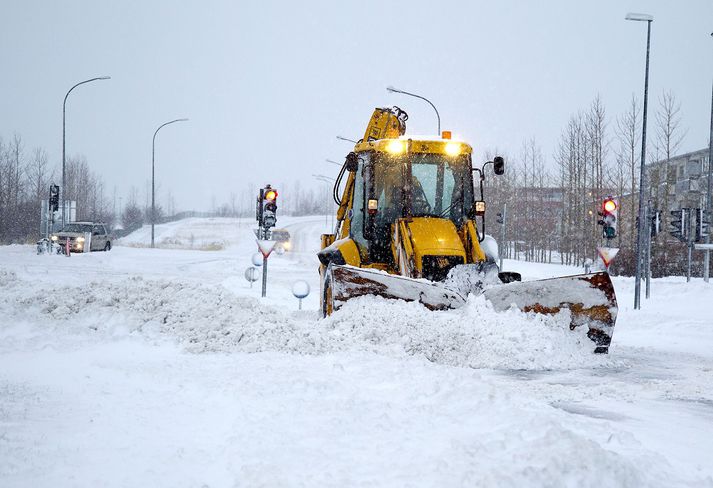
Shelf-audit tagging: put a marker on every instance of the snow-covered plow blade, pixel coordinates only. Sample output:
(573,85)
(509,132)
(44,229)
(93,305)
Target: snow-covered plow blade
(589,298)
(348,282)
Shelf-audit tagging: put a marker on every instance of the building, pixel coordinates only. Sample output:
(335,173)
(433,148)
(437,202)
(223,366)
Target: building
(680,182)
(676,183)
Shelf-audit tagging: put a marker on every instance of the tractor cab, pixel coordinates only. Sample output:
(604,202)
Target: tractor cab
(411,179)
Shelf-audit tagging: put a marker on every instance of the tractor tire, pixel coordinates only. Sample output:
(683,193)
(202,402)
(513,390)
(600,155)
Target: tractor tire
(327,301)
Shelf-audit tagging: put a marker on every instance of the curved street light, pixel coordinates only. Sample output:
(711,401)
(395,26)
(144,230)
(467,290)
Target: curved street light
(329,181)
(342,138)
(153,175)
(64,132)
(391,89)
(641,230)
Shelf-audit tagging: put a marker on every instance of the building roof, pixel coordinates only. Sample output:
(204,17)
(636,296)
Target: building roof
(688,155)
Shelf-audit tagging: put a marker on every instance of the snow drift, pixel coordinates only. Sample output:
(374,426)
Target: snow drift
(210,318)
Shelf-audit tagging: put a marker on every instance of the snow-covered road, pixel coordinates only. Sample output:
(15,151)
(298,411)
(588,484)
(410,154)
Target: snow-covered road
(162,367)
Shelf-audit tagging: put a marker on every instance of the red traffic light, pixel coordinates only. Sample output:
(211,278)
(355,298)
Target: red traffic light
(270,195)
(609,205)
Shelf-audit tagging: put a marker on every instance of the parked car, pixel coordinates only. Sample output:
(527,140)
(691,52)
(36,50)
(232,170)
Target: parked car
(282,236)
(75,233)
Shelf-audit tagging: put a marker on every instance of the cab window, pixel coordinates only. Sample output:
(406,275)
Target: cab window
(439,187)
(356,228)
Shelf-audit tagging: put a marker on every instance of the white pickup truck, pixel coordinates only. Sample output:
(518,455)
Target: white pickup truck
(78,232)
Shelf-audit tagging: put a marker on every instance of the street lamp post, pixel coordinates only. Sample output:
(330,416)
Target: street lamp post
(325,178)
(642,227)
(64,132)
(391,89)
(342,138)
(709,203)
(329,181)
(153,176)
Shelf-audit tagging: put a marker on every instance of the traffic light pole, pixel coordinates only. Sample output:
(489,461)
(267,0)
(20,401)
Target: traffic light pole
(502,233)
(265,215)
(264,276)
(709,203)
(648,250)
(690,251)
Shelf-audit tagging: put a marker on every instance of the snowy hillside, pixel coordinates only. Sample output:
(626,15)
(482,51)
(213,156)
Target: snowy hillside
(194,233)
(162,367)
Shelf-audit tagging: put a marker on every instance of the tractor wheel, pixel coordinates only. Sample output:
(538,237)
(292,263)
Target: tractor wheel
(327,300)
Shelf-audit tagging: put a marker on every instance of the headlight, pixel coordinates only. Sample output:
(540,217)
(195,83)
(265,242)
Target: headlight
(453,149)
(80,239)
(54,238)
(396,146)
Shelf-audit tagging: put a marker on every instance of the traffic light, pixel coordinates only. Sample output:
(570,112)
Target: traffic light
(54,198)
(608,221)
(269,207)
(655,223)
(701,224)
(680,223)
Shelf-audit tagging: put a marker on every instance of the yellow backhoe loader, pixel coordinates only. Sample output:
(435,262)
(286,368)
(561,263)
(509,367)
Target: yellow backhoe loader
(407,228)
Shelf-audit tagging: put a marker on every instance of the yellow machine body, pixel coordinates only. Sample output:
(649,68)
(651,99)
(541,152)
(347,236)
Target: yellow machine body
(406,227)
(413,238)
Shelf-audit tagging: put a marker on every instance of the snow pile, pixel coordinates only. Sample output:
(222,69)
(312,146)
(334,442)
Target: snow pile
(475,336)
(202,317)
(539,451)
(210,318)
(192,233)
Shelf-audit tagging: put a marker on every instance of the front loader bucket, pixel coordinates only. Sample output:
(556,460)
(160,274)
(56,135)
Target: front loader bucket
(590,299)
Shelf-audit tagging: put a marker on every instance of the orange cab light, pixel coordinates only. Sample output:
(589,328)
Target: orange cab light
(446,134)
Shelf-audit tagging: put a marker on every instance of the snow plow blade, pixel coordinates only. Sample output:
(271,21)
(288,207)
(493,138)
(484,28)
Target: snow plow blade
(348,282)
(589,298)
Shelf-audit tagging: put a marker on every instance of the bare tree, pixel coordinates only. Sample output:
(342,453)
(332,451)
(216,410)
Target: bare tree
(571,157)
(170,204)
(499,192)
(233,199)
(132,217)
(24,183)
(628,159)
(38,174)
(669,136)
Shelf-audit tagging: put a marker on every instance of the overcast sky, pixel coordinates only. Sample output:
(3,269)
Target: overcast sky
(268,85)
